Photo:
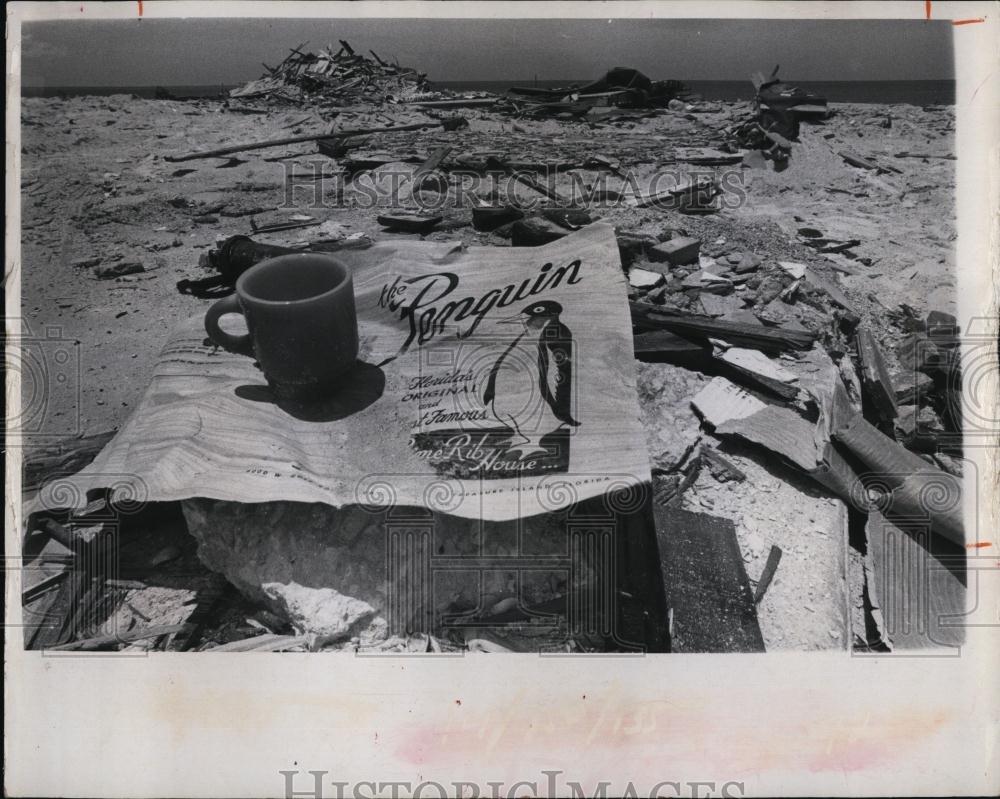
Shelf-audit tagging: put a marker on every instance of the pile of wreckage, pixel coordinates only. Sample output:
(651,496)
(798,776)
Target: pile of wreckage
(621,87)
(774,124)
(338,77)
(794,374)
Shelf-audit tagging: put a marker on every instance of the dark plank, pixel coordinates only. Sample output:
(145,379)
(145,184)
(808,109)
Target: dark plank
(706,584)
(663,342)
(875,378)
(747,335)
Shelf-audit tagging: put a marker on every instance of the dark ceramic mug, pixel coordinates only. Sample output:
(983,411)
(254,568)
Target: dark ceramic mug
(302,322)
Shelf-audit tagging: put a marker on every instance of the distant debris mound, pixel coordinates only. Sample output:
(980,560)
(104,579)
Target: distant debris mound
(621,86)
(342,77)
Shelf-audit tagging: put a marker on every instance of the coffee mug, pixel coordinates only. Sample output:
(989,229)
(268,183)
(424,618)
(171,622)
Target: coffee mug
(303,326)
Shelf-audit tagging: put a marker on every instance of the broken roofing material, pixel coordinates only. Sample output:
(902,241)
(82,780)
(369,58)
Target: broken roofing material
(335,76)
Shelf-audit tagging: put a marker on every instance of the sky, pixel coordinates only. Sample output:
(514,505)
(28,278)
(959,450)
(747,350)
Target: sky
(177,52)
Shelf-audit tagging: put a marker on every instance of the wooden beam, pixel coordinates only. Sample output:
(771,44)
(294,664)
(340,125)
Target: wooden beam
(875,378)
(102,641)
(432,163)
(261,145)
(747,335)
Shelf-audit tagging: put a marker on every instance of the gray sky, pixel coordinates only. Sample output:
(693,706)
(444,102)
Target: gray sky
(143,52)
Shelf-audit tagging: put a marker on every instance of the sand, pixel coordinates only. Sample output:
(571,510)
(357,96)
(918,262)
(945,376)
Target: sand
(95,185)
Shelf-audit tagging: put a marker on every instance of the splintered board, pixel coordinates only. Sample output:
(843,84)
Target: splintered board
(708,591)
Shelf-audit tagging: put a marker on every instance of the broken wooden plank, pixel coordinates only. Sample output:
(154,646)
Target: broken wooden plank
(279,226)
(104,641)
(488,218)
(701,188)
(46,584)
(721,467)
(905,154)
(339,134)
(541,188)
(433,162)
(802,444)
(768,339)
(466,102)
(917,583)
(875,379)
(409,223)
(834,407)
(262,643)
(854,159)
(708,592)
(837,296)
(752,366)
(665,343)
(721,401)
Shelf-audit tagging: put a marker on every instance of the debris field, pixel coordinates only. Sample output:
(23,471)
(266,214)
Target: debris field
(791,281)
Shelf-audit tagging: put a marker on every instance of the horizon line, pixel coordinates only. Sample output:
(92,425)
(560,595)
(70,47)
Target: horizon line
(513,81)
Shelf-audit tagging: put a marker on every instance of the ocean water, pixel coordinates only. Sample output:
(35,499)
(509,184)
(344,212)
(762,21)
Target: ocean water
(915,92)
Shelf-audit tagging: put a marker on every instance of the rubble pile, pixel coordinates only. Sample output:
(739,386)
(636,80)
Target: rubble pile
(338,77)
(621,87)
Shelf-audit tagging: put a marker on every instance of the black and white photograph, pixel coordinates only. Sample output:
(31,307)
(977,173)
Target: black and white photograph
(413,336)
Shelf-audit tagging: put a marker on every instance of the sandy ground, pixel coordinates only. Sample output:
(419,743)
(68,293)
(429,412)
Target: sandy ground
(95,185)
(97,191)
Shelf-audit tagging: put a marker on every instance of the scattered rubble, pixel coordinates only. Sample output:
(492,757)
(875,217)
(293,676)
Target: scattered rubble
(331,78)
(766,370)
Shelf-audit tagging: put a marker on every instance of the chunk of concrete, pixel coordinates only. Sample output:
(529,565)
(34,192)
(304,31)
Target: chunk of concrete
(643,278)
(371,572)
(682,250)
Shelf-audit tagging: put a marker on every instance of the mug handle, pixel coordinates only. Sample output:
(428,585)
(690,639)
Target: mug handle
(227,305)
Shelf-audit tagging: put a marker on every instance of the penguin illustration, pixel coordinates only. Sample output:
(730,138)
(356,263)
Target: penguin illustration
(523,369)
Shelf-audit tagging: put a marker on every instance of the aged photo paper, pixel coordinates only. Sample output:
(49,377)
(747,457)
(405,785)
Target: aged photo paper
(494,400)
